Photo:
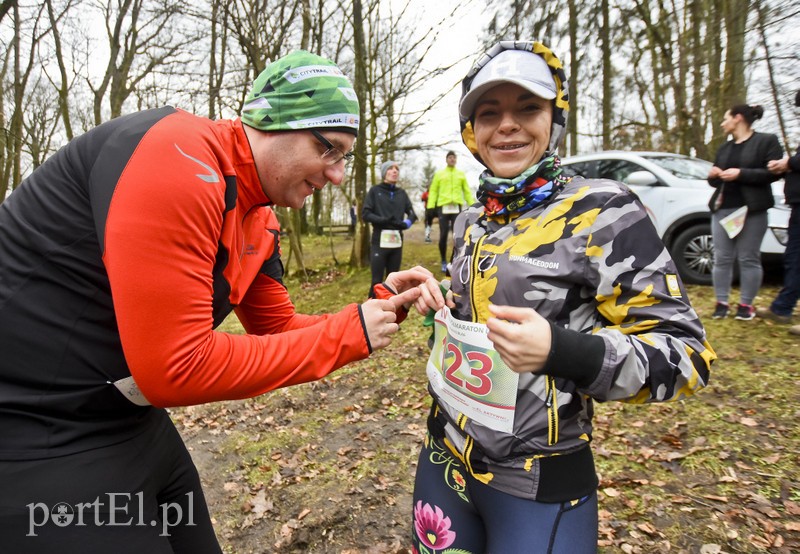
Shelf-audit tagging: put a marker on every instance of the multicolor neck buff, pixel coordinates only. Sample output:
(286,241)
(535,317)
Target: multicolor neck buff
(521,193)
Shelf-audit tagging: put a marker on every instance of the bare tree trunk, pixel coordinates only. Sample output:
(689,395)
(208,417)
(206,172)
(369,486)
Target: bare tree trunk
(316,211)
(360,255)
(329,207)
(140,40)
(5,144)
(605,42)
(316,197)
(217,59)
(716,103)
(5,6)
(658,47)
(680,42)
(261,28)
(305,40)
(114,39)
(63,88)
(733,86)
(16,115)
(699,60)
(770,71)
(574,68)
(29,129)
(286,217)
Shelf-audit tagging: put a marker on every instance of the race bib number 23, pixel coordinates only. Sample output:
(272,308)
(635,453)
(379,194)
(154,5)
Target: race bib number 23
(468,374)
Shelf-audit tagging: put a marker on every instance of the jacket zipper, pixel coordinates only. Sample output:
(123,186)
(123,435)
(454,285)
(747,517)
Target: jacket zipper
(474,279)
(551,401)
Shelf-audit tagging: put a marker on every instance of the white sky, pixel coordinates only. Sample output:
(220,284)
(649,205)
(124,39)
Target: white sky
(457,40)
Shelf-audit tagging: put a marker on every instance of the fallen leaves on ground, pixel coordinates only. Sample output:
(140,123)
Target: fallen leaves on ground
(328,467)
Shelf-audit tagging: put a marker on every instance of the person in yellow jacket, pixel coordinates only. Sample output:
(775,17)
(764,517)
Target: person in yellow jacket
(449,193)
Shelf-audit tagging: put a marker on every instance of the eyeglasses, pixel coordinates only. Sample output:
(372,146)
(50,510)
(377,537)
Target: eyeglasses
(332,155)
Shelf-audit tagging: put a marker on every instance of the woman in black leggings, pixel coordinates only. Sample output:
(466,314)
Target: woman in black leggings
(562,293)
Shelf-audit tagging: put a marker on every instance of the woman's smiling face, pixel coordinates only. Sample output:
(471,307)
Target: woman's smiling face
(512,129)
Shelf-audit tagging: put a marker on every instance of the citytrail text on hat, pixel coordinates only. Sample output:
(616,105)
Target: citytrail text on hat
(302,91)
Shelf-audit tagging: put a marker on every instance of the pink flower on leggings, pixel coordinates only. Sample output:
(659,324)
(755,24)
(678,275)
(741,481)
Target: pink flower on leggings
(433,529)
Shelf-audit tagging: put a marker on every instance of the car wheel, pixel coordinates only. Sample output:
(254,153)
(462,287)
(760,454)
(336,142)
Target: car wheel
(693,252)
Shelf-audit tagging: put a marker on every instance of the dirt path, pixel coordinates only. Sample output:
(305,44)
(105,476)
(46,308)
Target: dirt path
(342,488)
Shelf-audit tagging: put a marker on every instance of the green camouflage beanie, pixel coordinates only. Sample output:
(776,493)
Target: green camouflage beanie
(301,91)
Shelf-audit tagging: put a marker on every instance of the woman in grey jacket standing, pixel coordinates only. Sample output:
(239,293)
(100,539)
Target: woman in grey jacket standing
(741,178)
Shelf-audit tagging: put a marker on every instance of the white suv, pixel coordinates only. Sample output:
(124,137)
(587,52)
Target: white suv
(675,192)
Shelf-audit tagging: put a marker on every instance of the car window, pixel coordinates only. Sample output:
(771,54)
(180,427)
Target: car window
(683,167)
(618,170)
(584,169)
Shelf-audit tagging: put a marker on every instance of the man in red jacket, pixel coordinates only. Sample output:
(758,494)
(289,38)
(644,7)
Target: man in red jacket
(119,257)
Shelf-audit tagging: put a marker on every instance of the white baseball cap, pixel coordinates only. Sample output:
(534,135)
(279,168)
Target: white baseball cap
(519,67)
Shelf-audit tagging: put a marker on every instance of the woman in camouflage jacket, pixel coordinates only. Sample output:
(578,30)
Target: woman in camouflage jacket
(562,293)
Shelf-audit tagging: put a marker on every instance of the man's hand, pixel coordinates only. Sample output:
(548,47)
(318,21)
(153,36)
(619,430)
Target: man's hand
(778,167)
(521,336)
(380,317)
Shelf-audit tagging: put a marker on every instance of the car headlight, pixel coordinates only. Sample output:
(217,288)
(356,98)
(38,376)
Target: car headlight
(781,234)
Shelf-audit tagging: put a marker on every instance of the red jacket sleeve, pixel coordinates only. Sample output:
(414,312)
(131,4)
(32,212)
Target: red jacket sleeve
(381,291)
(161,246)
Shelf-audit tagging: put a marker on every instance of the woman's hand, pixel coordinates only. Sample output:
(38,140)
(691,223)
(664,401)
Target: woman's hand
(521,336)
(430,296)
(730,174)
(401,281)
(714,172)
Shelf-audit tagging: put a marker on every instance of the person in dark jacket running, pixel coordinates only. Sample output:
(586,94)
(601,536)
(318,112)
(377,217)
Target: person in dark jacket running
(388,208)
(119,257)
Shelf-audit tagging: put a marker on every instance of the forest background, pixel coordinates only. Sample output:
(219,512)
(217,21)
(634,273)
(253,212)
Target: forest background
(328,466)
(643,74)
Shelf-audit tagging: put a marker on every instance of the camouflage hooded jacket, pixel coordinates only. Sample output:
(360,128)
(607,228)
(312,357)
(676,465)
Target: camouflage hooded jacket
(591,262)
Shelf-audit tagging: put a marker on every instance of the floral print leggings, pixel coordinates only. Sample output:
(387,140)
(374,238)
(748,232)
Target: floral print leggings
(456,514)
